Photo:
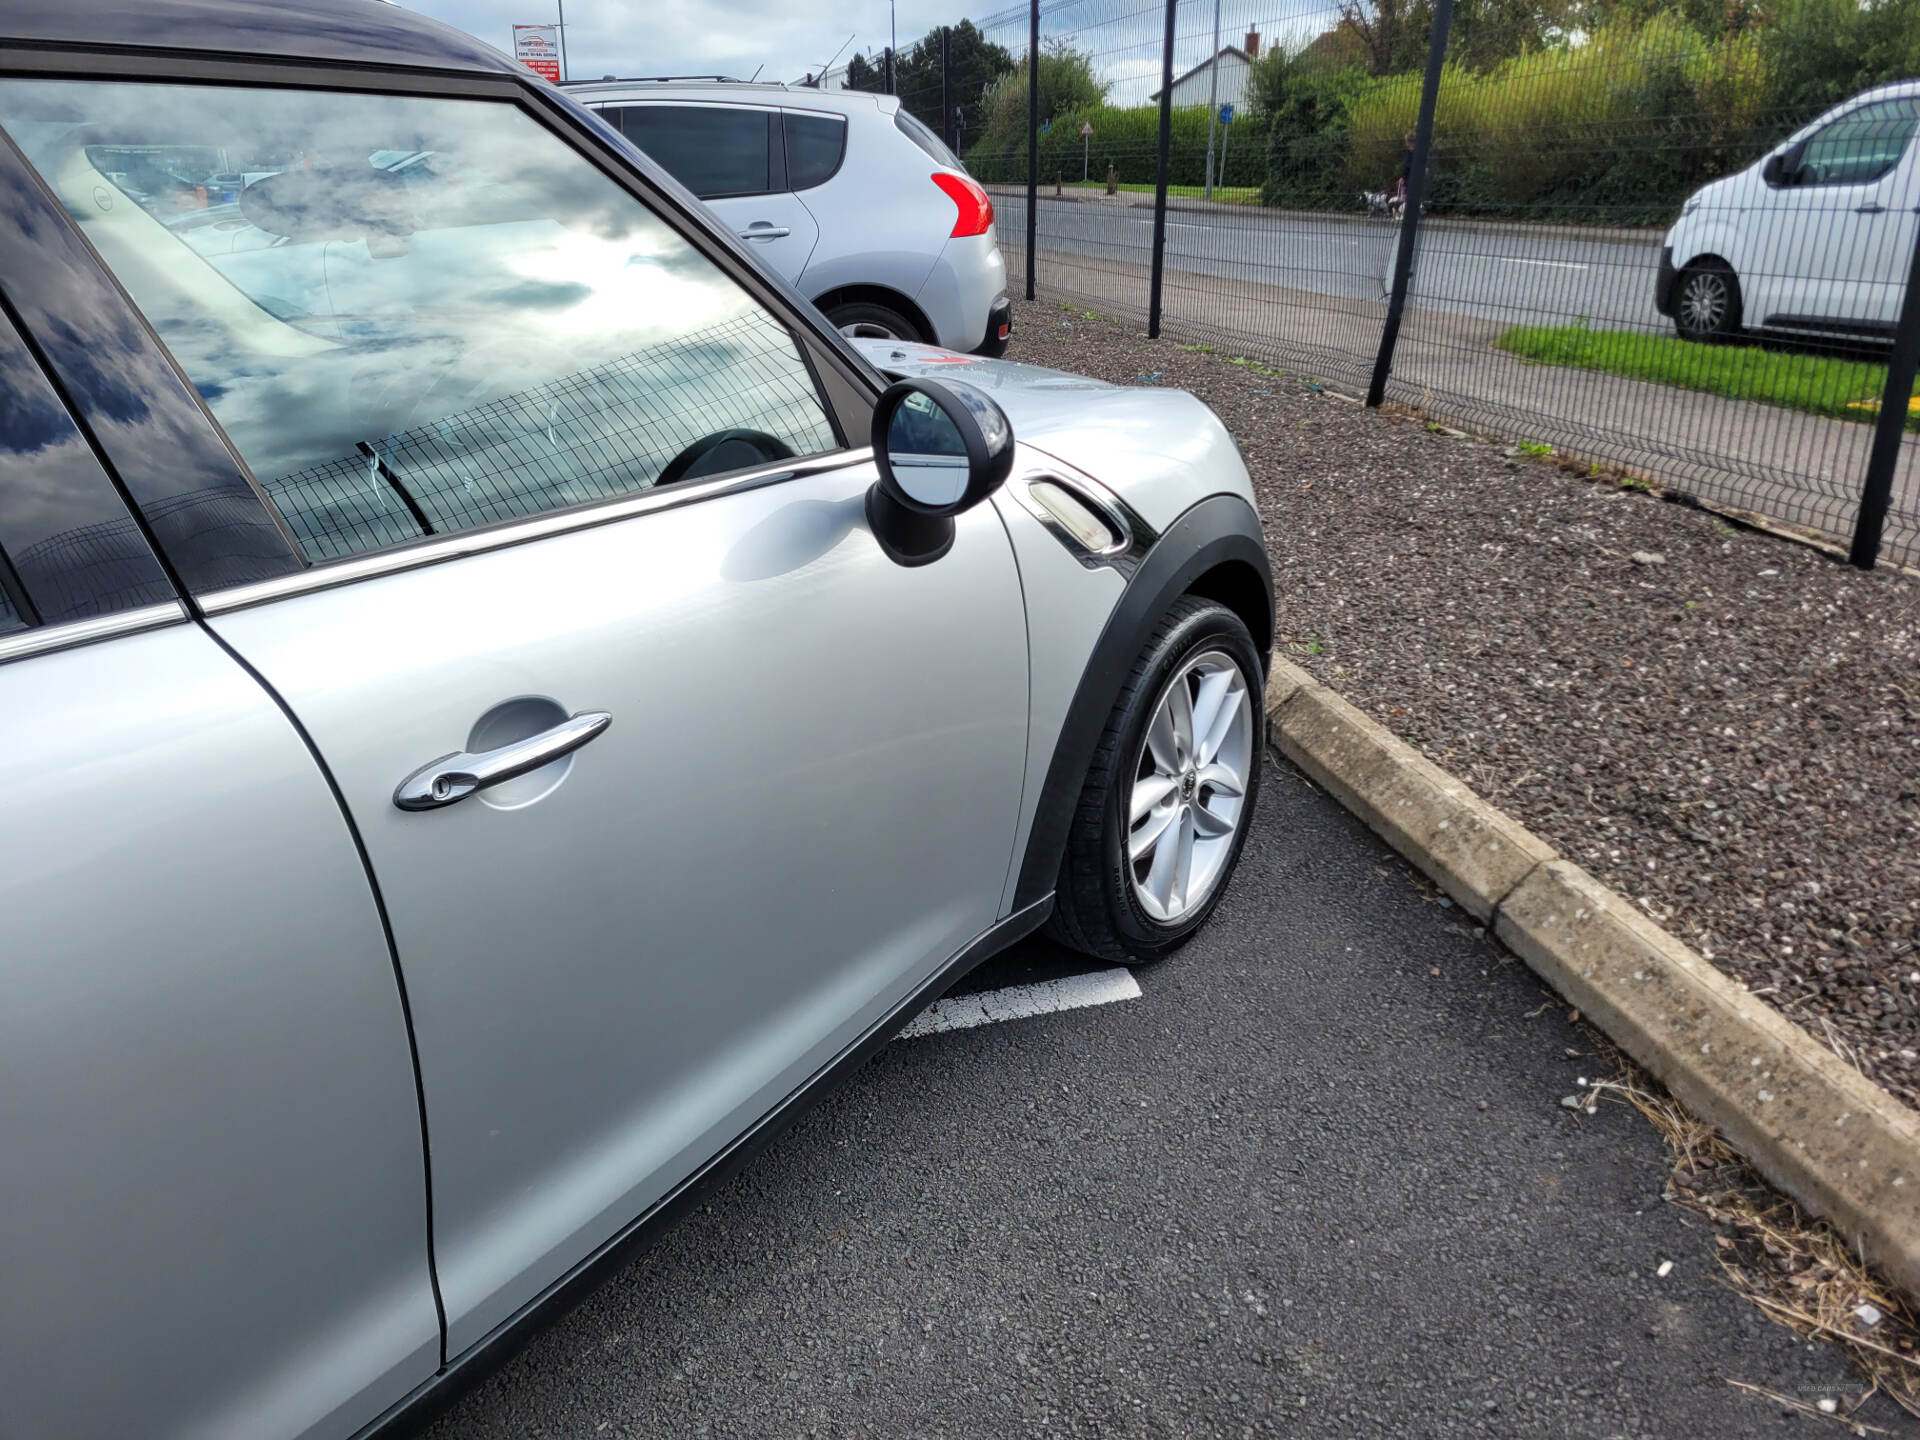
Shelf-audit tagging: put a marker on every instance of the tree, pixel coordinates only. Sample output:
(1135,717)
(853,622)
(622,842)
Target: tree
(863,75)
(974,62)
(1067,83)
(1393,35)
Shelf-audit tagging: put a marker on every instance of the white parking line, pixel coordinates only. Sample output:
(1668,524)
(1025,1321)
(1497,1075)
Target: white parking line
(1551,264)
(1017,1002)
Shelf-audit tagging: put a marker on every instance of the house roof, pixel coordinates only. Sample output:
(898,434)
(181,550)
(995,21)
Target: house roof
(1233,50)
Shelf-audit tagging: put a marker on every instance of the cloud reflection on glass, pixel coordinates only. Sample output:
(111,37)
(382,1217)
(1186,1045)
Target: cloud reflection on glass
(418,315)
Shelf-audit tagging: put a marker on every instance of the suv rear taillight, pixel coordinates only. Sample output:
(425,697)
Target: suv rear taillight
(976,210)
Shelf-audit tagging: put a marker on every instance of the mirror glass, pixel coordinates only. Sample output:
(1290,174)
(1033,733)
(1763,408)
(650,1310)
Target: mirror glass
(927,452)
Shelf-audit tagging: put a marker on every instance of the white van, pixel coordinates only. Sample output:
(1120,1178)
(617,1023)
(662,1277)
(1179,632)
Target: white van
(1815,238)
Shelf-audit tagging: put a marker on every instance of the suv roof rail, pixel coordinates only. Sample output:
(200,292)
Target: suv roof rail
(658,79)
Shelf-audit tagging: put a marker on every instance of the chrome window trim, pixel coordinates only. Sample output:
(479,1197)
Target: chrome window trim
(44,638)
(520,532)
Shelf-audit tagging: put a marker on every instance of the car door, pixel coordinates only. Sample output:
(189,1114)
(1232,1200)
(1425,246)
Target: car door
(213,1215)
(594,502)
(1836,231)
(734,158)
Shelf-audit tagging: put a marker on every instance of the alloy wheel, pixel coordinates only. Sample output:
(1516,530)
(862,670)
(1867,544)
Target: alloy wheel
(1189,791)
(1705,302)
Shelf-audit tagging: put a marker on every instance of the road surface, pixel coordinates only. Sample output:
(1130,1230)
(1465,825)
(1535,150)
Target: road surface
(1315,1180)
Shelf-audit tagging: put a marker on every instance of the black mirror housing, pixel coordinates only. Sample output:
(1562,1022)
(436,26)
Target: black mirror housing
(941,448)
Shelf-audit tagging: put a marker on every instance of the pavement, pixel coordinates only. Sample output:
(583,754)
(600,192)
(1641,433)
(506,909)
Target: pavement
(1314,1180)
(1308,293)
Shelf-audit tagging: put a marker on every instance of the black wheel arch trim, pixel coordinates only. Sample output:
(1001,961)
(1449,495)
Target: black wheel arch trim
(1212,539)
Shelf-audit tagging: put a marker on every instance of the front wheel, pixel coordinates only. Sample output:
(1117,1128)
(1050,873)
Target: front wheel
(1170,793)
(1706,301)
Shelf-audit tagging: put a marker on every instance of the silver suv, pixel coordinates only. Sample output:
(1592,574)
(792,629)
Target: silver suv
(853,201)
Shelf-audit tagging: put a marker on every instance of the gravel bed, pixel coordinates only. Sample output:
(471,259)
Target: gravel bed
(1721,724)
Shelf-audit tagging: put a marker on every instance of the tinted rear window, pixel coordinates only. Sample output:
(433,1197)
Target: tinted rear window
(815,145)
(713,150)
(927,141)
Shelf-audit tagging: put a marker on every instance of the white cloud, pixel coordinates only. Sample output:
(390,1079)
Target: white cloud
(682,37)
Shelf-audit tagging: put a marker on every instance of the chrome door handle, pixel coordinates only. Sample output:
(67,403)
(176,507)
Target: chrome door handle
(764,231)
(453,778)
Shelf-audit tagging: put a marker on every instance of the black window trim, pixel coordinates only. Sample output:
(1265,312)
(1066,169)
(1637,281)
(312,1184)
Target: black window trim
(846,385)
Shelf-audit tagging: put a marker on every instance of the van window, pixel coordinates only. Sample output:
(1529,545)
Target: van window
(1861,145)
(713,150)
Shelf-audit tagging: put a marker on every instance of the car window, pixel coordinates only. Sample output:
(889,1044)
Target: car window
(713,150)
(69,550)
(815,146)
(927,141)
(418,316)
(1860,146)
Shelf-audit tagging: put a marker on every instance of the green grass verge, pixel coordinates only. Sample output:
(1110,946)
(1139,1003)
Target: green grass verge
(1817,384)
(1223,194)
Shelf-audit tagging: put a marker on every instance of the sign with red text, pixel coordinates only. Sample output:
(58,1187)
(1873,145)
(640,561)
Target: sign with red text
(538,48)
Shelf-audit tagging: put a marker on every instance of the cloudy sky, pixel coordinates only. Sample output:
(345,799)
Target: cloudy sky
(792,37)
(728,37)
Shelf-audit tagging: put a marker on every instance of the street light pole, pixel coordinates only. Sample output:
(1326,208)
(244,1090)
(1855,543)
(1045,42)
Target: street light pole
(561,6)
(1213,94)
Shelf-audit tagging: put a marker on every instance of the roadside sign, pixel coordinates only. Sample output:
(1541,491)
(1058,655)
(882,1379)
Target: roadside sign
(538,48)
(1086,128)
(1226,114)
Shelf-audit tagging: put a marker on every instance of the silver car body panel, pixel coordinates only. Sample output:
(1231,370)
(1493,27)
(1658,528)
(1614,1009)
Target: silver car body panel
(1067,606)
(881,220)
(805,804)
(207,1102)
(1160,450)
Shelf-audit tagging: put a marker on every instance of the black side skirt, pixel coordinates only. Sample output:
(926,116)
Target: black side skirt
(434,1396)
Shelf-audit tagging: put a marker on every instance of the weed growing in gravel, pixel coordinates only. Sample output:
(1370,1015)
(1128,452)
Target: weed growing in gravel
(1245,363)
(1535,448)
(1797,1269)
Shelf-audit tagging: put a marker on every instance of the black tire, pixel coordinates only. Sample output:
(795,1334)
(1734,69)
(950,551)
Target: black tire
(1706,301)
(873,321)
(1096,910)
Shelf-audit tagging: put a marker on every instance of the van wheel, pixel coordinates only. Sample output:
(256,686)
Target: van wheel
(1706,302)
(864,320)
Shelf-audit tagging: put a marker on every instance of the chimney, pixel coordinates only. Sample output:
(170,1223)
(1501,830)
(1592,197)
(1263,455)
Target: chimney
(1252,46)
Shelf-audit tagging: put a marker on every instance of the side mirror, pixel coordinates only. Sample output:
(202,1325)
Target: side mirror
(1783,167)
(941,449)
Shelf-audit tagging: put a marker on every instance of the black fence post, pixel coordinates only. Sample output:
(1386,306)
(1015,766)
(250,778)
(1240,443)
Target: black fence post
(1160,179)
(1033,138)
(1889,429)
(946,86)
(890,89)
(1416,196)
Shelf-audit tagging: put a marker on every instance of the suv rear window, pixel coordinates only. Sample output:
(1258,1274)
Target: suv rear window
(815,146)
(927,141)
(713,150)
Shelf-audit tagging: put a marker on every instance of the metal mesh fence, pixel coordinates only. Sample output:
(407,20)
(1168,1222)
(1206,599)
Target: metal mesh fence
(1677,240)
